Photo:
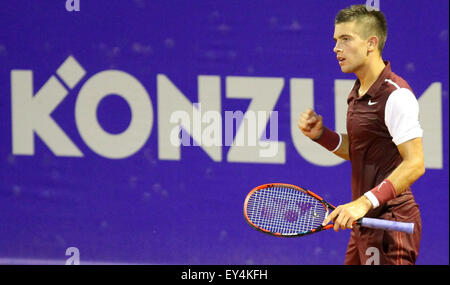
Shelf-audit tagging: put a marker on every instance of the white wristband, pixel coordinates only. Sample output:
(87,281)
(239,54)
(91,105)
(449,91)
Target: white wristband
(372,199)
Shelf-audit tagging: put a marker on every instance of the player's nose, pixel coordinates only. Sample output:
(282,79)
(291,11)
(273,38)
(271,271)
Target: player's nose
(336,49)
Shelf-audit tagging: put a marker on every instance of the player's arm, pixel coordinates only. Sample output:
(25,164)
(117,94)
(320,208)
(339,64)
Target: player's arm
(311,125)
(405,174)
(412,166)
(342,151)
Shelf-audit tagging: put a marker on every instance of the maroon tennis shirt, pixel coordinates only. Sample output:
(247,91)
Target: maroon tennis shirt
(373,154)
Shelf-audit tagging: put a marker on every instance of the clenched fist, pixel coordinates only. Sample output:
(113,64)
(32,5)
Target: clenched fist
(311,124)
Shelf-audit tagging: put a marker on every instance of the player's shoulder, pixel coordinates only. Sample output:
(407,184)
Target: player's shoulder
(395,84)
(396,94)
(399,95)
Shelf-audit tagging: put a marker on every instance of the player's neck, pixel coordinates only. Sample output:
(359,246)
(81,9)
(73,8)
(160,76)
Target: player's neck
(369,73)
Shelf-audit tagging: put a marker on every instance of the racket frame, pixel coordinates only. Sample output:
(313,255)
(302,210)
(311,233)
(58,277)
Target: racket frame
(327,205)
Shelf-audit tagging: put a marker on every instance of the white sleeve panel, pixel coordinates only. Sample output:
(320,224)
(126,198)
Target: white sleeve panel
(402,116)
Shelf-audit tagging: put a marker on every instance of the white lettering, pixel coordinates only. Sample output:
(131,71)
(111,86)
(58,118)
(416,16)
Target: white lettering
(131,90)
(31,115)
(180,120)
(171,100)
(430,104)
(264,93)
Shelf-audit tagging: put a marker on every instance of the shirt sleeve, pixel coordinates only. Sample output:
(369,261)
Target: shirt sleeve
(402,116)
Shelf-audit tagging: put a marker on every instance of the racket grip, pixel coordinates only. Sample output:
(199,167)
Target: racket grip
(387,225)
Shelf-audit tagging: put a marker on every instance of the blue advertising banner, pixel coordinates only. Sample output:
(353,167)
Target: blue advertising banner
(132,131)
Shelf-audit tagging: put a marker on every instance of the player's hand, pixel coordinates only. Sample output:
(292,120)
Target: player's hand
(345,215)
(311,124)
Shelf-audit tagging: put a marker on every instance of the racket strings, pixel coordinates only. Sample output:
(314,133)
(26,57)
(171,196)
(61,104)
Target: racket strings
(285,210)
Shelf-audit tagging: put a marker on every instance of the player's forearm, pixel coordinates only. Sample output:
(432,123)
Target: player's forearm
(342,151)
(334,142)
(406,174)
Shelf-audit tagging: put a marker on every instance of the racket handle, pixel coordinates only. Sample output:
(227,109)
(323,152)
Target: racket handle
(387,225)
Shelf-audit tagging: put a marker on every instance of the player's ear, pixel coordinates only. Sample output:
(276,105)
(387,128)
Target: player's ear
(372,43)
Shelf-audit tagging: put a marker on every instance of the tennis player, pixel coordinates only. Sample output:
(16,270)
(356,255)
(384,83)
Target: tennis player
(383,142)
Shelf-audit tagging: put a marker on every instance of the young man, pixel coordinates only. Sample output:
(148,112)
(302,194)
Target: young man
(384,143)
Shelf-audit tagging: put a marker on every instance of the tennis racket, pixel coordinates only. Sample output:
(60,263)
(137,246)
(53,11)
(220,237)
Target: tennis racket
(289,211)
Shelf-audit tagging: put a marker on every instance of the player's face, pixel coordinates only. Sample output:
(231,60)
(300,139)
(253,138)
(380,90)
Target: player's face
(350,48)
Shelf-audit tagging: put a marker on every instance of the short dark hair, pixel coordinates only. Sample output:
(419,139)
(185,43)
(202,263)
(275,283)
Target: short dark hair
(373,22)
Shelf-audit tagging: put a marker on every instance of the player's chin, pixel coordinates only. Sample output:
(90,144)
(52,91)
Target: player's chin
(346,69)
